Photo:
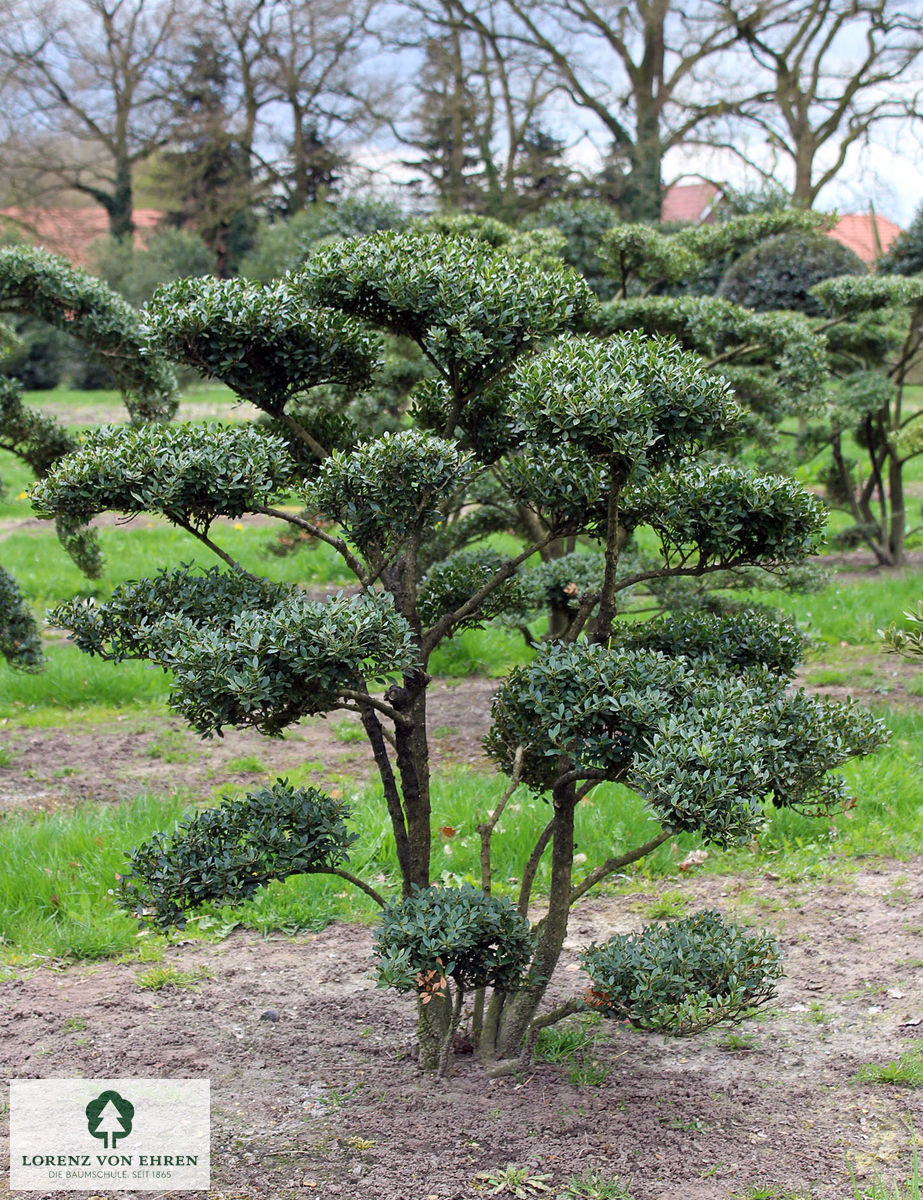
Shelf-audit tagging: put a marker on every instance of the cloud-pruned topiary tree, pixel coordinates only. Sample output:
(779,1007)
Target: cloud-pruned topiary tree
(866,421)
(584,438)
(44,286)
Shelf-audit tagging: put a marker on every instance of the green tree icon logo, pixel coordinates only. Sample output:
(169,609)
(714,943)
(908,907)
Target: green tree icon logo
(109,1117)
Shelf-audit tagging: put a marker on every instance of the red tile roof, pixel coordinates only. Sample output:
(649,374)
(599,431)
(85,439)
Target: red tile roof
(688,202)
(858,232)
(71,232)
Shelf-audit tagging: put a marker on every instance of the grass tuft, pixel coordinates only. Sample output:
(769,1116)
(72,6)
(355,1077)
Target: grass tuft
(905,1071)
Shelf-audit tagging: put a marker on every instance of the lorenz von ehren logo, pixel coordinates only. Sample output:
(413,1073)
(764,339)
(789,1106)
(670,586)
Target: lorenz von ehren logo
(109,1117)
(92,1135)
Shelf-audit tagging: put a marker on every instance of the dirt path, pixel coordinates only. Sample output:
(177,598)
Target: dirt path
(323,1101)
(61,765)
(157,752)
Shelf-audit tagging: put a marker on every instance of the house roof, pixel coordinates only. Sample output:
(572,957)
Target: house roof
(688,202)
(71,232)
(868,234)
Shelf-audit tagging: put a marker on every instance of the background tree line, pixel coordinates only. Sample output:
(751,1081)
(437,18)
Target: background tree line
(227,109)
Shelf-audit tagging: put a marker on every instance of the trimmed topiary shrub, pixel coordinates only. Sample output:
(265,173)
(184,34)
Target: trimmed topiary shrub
(905,254)
(780,272)
(683,976)
(579,438)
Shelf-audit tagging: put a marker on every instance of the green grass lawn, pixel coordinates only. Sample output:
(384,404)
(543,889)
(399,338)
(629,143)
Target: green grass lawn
(56,870)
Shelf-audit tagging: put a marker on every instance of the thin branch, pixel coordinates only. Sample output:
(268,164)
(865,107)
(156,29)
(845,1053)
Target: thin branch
(531,867)
(444,625)
(375,734)
(486,829)
(363,698)
(550,1018)
(303,435)
(615,864)
(338,544)
(556,1014)
(588,602)
(446,1050)
(203,537)
(359,883)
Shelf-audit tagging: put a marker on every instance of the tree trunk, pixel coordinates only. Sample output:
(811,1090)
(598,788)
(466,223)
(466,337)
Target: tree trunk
(413,769)
(299,189)
(509,1014)
(804,193)
(644,188)
(433,1021)
(119,205)
(454,187)
(897,518)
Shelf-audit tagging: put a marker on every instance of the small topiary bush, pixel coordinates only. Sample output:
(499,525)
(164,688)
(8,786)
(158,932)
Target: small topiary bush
(780,272)
(684,976)
(445,942)
(228,853)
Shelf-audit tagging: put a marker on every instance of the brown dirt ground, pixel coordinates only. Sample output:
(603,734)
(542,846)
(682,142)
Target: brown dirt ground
(327,1102)
(158,753)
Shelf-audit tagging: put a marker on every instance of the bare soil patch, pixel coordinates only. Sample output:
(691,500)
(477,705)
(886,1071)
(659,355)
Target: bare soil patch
(326,1101)
(159,753)
(870,678)
(851,566)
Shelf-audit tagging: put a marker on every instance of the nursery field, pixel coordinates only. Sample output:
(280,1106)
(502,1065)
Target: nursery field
(313,1089)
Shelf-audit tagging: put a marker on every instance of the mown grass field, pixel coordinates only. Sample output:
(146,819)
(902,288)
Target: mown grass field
(56,870)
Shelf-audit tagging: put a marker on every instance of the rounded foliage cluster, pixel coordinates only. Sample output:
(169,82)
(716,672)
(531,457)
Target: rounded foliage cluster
(46,286)
(470,307)
(226,854)
(705,742)
(389,489)
(728,516)
(742,638)
(780,272)
(627,399)
(448,584)
(20,642)
(594,705)
(126,625)
(189,473)
(684,976)
(270,668)
(214,325)
(461,933)
(852,297)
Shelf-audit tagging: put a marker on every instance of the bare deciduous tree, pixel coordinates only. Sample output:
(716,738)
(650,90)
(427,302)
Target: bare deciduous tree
(478,112)
(319,90)
(650,73)
(84,94)
(829,73)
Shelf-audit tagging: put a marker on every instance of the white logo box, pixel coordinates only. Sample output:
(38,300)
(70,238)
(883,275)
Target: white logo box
(110,1135)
